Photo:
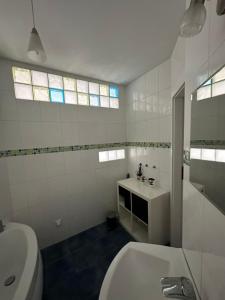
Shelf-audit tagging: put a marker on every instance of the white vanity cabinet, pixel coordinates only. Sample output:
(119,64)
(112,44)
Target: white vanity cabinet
(144,211)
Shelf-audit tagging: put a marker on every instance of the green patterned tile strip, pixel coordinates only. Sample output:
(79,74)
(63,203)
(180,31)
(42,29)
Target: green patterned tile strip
(149,144)
(33,151)
(208,143)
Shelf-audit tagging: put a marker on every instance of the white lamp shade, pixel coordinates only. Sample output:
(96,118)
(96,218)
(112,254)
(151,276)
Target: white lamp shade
(194,19)
(36,50)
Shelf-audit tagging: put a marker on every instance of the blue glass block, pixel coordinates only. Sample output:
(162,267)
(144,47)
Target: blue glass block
(56,95)
(114,91)
(94,100)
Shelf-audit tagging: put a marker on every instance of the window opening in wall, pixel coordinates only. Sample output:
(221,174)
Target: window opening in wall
(217,155)
(213,87)
(111,155)
(41,86)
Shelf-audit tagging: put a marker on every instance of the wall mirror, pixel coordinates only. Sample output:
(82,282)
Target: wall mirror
(207,166)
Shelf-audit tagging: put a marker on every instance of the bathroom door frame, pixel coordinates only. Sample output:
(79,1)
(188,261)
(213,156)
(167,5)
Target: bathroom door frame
(176,204)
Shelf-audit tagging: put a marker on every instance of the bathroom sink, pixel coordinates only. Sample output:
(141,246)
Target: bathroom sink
(136,271)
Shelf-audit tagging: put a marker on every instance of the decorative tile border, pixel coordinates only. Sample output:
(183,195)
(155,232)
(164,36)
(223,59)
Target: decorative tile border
(209,143)
(34,151)
(149,144)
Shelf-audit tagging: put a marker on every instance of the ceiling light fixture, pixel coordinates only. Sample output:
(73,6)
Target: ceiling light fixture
(193,19)
(35,49)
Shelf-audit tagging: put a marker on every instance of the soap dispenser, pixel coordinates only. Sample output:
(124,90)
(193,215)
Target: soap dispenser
(139,171)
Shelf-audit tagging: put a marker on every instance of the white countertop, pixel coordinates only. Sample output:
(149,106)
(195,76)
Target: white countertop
(141,189)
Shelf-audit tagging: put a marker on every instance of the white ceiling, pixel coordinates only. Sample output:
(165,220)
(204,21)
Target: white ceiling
(112,40)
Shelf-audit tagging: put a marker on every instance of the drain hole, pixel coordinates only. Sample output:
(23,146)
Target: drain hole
(10,280)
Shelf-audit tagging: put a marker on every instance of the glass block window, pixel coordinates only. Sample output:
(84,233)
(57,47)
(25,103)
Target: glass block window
(103,156)
(114,91)
(94,88)
(42,86)
(215,86)
(204,92)
(219,75)
(83,99)
(120,154)
(217,155)
(209,154)
(104,90)
(114,102)
(82,86)
(23,91)
(104,101)
(208,82)
(41,93)
(195,153)
(69,84)
(70,97)
(220,155)
(55,81)
(111,155)
(218,88)
(94,100)
(21,75)
(39,78)
(56,95)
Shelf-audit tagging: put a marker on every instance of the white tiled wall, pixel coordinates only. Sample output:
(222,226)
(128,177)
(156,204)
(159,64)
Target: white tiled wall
(203,224)
(149,120)
(193,61)
(33,195)
(73,186)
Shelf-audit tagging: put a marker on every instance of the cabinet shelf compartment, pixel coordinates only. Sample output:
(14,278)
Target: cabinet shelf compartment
(140,208)
(125,218)
(143,211)
(139,230)
(124,198)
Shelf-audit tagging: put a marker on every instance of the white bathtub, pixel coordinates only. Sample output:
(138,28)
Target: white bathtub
(20,257)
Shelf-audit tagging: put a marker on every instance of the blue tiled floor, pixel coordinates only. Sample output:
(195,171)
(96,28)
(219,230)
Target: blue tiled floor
(74,269)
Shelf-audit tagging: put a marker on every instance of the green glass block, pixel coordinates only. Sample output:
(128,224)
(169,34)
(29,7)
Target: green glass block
(21,75)
(83,99)
(41,93)
(104,90)
(69,84)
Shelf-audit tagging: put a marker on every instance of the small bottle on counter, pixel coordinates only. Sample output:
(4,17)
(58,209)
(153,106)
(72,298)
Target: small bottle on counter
(139,171)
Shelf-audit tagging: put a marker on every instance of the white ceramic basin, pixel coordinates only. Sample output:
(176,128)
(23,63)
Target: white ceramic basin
(19,257)
(136,271)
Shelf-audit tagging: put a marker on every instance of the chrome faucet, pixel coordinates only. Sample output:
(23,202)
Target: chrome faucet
(178,288)
(2,226)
